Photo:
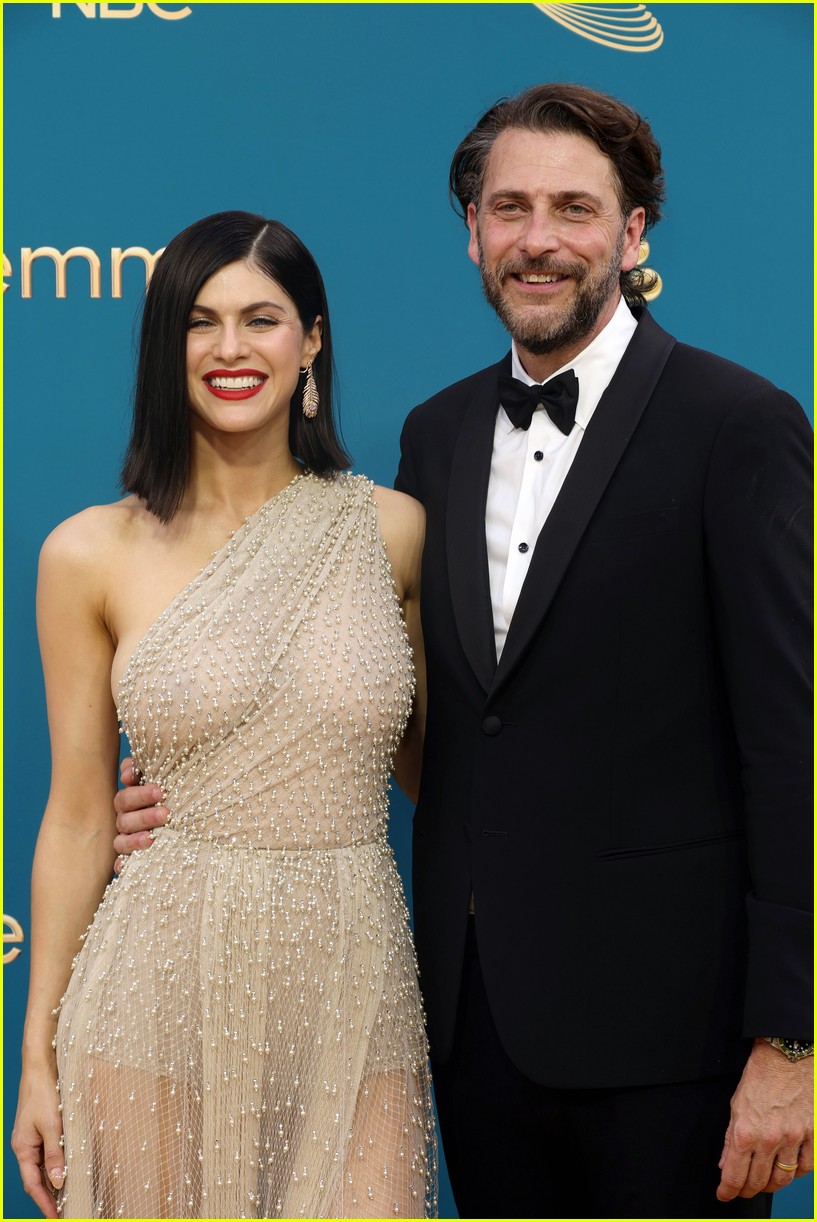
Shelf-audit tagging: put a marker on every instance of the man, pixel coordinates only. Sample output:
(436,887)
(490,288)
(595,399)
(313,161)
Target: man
(611,869)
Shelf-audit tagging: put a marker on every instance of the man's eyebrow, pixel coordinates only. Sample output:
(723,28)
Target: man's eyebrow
(556,197)
(577,196)
(509,194)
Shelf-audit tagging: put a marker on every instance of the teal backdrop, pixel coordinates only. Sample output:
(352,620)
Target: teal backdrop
(125,122)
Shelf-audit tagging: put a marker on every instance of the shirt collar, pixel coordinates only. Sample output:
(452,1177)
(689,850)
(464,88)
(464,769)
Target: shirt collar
(594,366)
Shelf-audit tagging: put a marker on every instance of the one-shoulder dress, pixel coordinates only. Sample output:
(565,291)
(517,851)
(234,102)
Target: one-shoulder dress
(242,1035)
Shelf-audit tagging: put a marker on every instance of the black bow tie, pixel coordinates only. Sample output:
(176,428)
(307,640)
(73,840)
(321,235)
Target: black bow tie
(559,397)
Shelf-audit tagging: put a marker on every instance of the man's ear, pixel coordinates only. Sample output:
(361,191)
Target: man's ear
(473,243)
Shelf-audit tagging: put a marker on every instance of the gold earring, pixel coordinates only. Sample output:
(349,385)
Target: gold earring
(311,399)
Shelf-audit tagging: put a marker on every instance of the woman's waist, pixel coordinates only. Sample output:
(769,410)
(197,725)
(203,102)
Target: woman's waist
(271,840)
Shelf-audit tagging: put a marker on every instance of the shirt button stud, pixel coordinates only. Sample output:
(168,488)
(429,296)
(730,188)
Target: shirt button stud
(538,455)
(523,547)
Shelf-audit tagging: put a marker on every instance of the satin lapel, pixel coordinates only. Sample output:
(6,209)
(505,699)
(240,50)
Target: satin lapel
(607,437)
(465,527)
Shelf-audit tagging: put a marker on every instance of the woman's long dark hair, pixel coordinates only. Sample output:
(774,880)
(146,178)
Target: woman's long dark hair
(157,461)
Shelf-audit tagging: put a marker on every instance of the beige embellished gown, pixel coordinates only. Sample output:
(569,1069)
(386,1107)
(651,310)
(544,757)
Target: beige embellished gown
(242,1035)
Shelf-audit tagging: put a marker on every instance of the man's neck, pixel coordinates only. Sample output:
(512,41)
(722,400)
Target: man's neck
(541,367)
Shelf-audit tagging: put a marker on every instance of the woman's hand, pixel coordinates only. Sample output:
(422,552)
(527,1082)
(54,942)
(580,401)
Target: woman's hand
(37,1139)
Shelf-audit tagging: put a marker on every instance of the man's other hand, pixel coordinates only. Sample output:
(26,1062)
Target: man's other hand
(772,1123)
(137,813)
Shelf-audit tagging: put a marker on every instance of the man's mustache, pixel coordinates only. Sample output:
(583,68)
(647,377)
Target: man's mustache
(540,267)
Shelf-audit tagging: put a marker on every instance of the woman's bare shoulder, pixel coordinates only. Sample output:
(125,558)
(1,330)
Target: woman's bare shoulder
(399,514)
(402,523)
(87,541)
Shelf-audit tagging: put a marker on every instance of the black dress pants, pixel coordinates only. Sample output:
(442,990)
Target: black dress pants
(515,1149)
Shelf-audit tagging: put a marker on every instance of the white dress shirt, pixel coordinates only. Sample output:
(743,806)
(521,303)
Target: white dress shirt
(529,468)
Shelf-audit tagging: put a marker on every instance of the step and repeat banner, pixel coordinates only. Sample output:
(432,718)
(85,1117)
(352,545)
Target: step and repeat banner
(125,122)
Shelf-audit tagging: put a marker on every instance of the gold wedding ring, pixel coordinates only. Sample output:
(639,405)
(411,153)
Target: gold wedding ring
(785,1166)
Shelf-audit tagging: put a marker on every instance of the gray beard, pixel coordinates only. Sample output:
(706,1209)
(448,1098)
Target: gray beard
(545,334)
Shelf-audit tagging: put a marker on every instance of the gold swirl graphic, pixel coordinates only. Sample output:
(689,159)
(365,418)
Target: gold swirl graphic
(653,282)
(625,27)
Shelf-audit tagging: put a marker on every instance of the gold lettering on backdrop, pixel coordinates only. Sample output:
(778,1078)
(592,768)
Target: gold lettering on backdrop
(87,10)
(15,934)
(118,257)
(60,260)
(120,10)
(27,257)
(126,10)
(173,15)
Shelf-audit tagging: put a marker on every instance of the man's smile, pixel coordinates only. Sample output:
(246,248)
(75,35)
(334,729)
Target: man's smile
(536,279)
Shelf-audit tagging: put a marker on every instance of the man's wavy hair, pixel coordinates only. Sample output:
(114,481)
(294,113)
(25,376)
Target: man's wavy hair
(157,461)
(616,130)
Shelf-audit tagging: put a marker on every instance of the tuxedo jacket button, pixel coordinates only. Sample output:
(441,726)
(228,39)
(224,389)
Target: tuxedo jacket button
(491,726)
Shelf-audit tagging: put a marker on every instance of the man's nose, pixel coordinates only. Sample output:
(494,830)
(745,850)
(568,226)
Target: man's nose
(540,235)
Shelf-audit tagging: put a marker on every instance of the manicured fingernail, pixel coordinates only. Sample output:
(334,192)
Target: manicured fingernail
(56,1174)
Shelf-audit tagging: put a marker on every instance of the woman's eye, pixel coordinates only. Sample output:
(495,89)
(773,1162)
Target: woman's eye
(198,324)
(261,320)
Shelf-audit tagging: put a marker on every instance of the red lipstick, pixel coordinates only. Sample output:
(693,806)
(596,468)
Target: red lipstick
(231,376)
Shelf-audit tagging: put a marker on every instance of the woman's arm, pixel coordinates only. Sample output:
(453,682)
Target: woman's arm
(73,858)
(402,525)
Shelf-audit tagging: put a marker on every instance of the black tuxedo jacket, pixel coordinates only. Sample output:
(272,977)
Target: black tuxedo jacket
(628,793)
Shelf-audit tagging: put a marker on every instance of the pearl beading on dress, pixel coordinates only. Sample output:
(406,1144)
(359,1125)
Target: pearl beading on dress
(243,1035)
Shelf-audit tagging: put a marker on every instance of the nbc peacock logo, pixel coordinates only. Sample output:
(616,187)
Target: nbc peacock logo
(624,27)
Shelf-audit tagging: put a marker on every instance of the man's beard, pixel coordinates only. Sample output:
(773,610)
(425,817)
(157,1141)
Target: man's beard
(544,328)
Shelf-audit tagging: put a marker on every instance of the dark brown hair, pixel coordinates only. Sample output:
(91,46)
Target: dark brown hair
(616,130)
(157,461)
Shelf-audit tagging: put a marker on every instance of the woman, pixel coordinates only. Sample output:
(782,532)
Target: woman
(242,1033)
